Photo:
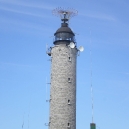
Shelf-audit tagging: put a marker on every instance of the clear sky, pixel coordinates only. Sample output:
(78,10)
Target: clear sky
(26,26)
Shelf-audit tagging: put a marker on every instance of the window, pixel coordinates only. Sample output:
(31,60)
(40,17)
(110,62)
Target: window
(68,102)
(69,79)
(68,125)
(64,36)
(69,58)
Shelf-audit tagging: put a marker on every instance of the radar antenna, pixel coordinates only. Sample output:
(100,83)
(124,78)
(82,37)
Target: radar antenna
(64,14)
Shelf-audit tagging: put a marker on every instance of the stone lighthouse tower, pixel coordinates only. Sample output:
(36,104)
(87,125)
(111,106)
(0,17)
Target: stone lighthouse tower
(63,75)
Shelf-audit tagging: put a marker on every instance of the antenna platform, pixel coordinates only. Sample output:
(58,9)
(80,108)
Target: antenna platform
(64,14)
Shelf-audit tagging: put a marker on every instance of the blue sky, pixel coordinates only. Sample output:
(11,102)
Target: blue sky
(27,26)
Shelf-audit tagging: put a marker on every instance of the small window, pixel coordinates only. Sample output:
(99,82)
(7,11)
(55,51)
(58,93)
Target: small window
(69,79)
(69,58)
(68,125)
(68,102)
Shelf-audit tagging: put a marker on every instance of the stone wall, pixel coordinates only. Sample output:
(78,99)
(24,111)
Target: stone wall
(63,88)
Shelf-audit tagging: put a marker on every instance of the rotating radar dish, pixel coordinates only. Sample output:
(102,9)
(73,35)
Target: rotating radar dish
(65,14)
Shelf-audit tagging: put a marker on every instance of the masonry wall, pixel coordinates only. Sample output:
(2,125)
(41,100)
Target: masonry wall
(63,88)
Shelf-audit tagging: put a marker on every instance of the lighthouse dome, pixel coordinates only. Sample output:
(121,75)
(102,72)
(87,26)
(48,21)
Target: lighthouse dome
(64,28)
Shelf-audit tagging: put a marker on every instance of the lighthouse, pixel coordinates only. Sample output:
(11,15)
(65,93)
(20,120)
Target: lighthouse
(63,74)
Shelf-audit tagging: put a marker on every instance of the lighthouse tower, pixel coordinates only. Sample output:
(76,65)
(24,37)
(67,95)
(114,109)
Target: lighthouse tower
(63,75)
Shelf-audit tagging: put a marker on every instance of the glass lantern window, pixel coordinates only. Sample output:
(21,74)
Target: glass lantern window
(64,36)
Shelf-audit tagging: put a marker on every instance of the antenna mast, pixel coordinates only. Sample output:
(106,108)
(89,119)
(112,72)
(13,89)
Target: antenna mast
(92,125)
(92,99)
(64,14)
